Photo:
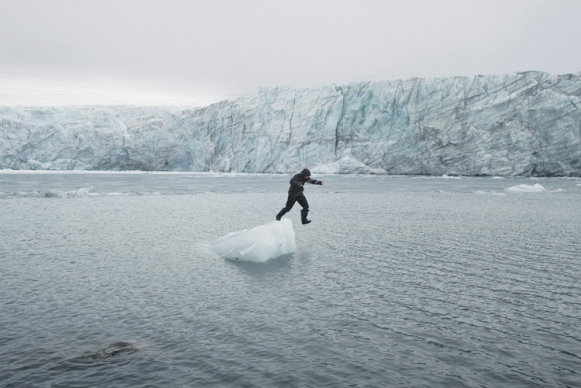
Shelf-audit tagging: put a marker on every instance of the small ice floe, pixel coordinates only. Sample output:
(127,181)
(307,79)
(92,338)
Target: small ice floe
(536,188)
(258,244)
(54,193)
(82,192)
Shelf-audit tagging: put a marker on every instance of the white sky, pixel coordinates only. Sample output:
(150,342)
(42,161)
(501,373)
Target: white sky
(220,47)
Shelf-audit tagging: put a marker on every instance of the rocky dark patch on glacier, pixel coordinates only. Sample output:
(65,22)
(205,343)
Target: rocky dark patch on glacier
(521,124)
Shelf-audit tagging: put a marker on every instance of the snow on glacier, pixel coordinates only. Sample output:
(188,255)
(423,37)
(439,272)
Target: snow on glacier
(258,244)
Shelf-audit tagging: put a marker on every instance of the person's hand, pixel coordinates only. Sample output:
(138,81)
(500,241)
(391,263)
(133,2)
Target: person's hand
(322,183)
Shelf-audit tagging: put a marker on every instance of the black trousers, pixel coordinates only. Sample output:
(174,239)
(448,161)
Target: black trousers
(291,202)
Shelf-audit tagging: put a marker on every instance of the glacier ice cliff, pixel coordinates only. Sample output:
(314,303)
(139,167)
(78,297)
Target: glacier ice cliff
(525,124)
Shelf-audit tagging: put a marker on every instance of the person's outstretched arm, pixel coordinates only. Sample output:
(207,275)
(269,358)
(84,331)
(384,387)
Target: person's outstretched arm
(315,182)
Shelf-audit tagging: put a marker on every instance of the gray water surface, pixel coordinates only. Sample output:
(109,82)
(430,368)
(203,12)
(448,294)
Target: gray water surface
(398,281)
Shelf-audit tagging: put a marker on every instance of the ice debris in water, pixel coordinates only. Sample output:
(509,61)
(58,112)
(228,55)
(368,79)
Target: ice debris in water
(82,192)
(537,188)
(54,193)
(258,244)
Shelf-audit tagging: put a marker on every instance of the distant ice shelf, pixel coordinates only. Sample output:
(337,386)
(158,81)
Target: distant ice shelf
(520,124)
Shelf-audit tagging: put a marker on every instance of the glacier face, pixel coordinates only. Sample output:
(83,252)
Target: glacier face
(514,124)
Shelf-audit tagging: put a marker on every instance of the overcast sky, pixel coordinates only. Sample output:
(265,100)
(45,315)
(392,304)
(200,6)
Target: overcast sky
(232,46)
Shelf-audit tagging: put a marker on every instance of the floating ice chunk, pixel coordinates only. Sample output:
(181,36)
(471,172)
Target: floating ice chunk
(54,193)
(82,192)
(258,244)
(537,188)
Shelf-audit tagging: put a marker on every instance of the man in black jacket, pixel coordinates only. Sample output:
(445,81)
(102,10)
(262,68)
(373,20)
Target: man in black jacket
(295,194)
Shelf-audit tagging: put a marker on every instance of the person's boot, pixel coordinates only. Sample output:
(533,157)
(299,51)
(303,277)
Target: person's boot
(281,213)
(304,213)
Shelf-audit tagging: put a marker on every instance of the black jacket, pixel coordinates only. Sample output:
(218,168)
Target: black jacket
(297,182)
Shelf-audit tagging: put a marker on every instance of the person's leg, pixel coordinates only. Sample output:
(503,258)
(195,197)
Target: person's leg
(303,202)
(290,202)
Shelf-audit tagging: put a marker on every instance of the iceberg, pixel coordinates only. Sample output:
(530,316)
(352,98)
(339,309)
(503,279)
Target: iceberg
(537,188)
(258,244)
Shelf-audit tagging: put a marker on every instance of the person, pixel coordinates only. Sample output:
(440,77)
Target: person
(295,194)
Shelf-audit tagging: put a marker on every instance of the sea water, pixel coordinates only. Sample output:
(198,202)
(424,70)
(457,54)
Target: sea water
(106,279)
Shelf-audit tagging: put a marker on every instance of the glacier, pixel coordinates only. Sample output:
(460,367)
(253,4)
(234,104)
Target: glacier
(518,124)
(259,244)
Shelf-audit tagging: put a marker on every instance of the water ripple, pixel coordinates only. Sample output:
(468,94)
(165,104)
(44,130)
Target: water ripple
(422,289)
